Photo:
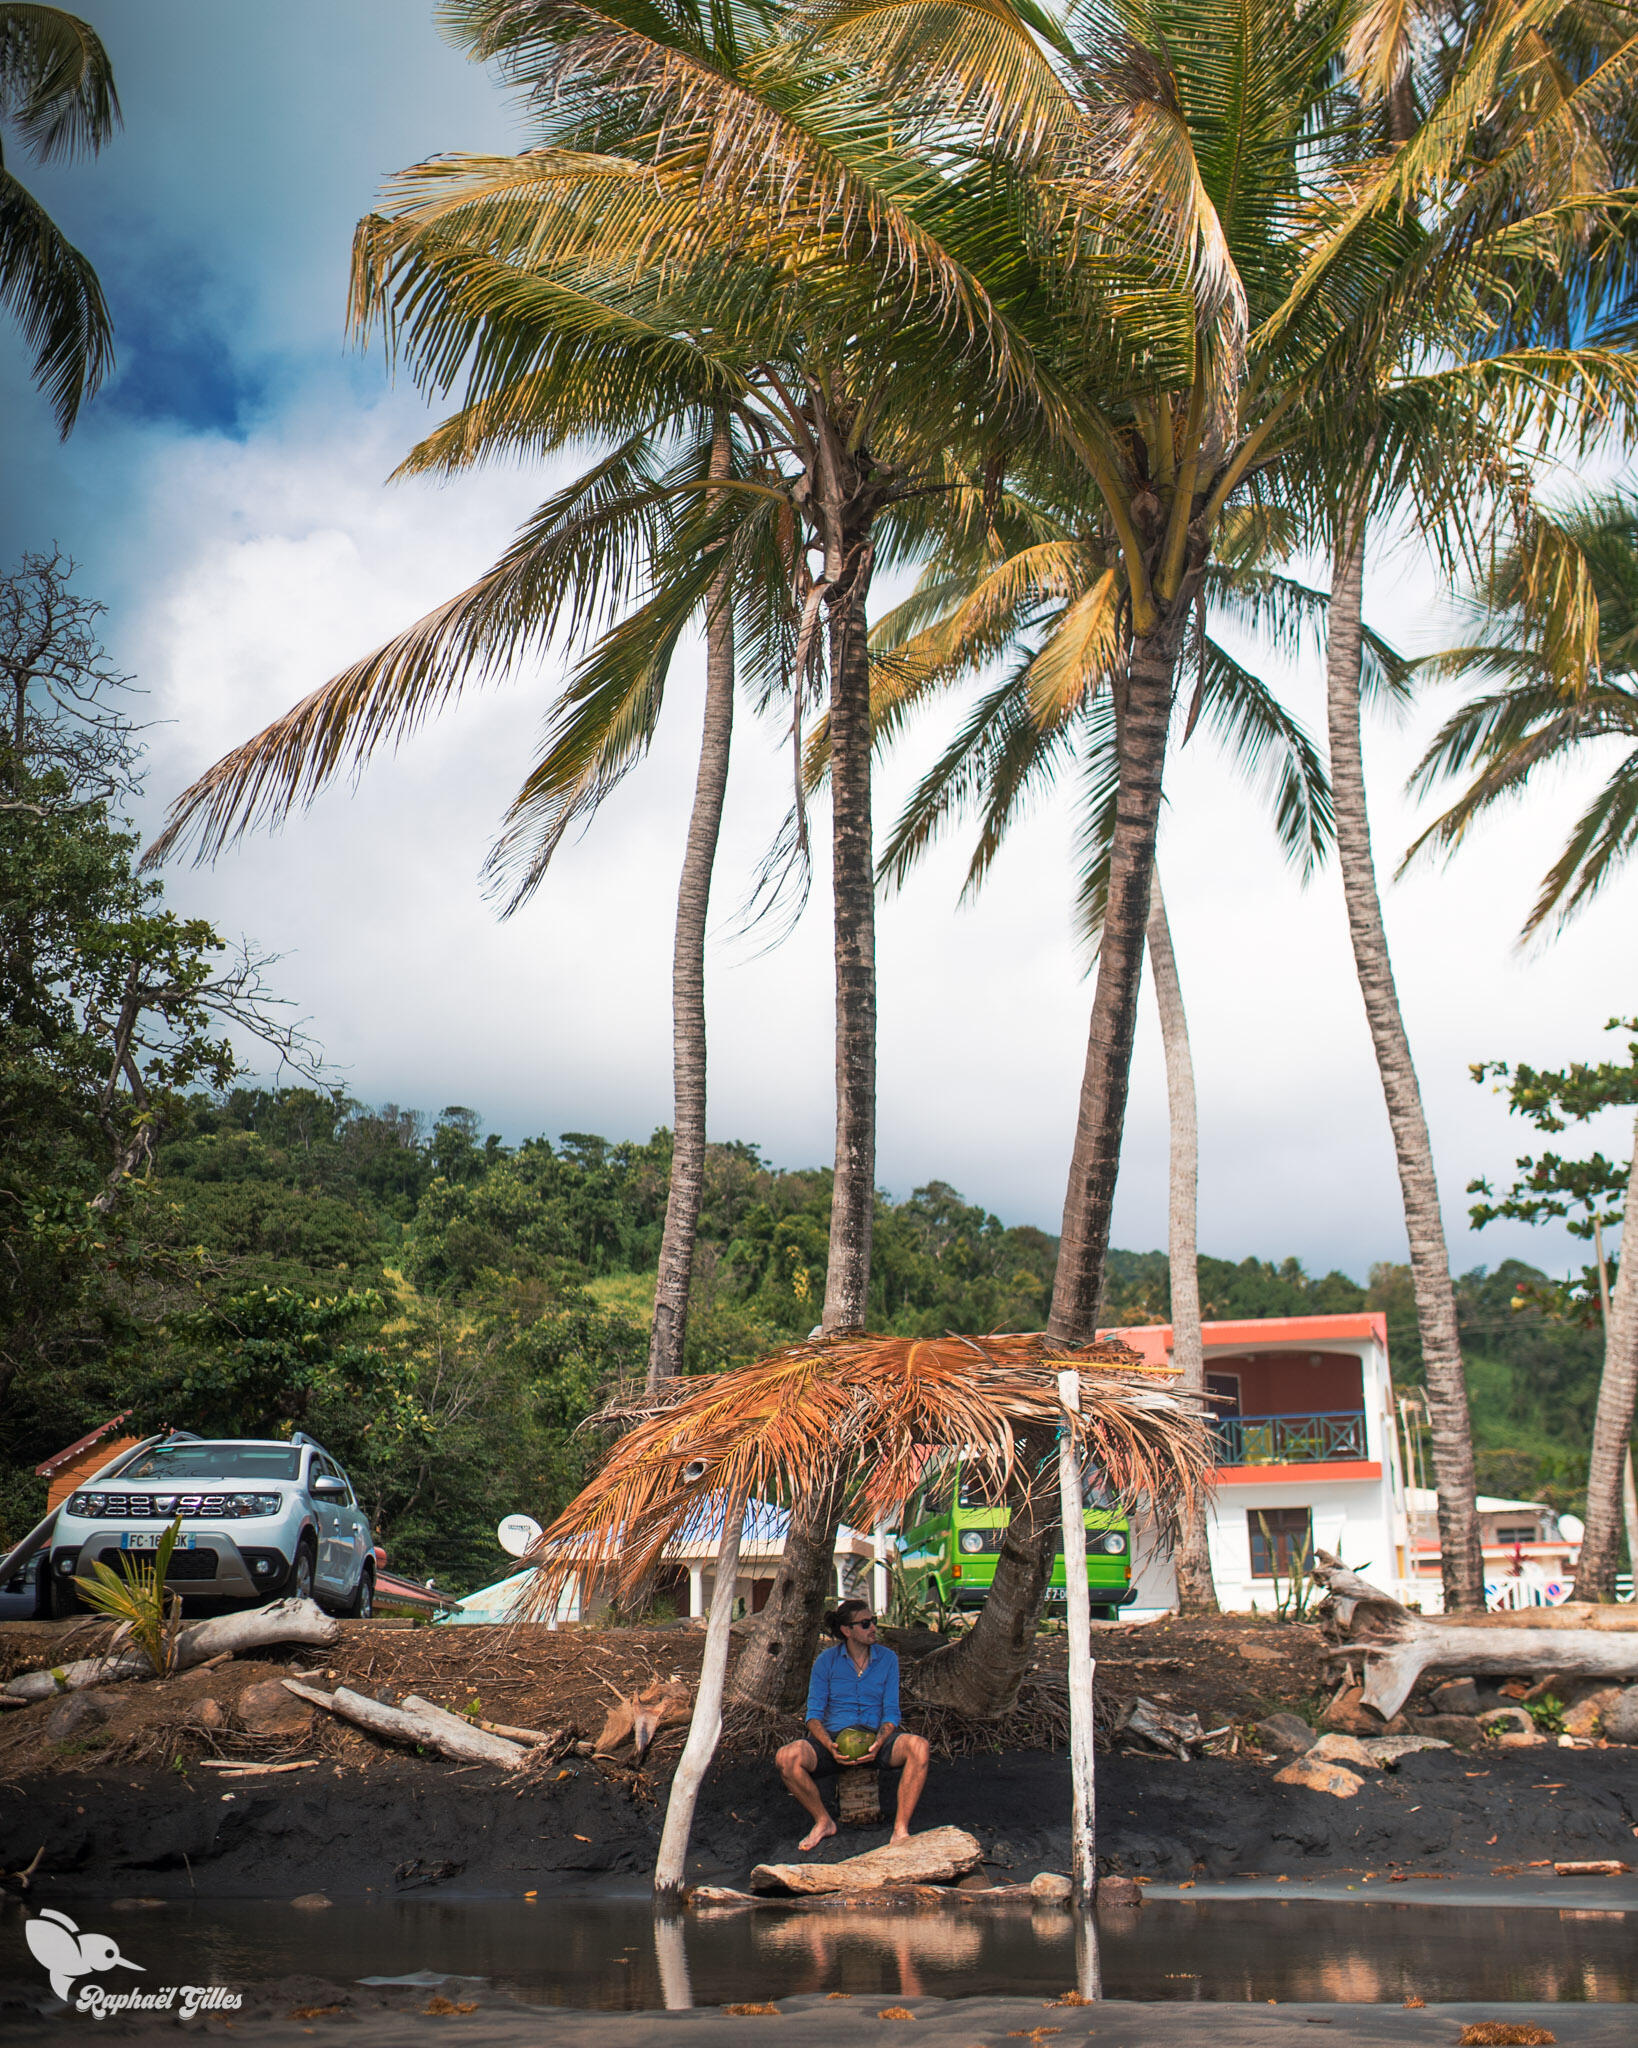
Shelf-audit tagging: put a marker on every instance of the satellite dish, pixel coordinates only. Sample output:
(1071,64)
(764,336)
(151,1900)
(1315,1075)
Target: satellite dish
(1571,1528)
(518,1533)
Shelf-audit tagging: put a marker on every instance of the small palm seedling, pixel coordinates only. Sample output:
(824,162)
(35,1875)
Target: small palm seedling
(135,1597)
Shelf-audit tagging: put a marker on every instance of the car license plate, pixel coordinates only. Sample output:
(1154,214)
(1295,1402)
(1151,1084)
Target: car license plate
(148,1539)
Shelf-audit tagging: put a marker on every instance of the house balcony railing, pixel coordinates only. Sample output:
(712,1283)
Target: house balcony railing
(1289,1439)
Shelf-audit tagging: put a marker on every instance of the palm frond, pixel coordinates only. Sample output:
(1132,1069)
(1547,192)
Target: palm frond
(52,291)
(56,83)
(1274,753)
(576,561)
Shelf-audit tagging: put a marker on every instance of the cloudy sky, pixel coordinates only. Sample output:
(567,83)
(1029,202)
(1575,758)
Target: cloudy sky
(226,496)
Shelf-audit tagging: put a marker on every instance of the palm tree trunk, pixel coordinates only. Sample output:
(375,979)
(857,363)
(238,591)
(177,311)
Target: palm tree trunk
(1196,1594)
(1612,1423)
(682,1206)
(773,1664)
(981,1674)
(853,882)
(1462,1564)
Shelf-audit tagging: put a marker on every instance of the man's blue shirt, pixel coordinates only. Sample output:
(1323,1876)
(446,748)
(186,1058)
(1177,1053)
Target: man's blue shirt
(842,1696)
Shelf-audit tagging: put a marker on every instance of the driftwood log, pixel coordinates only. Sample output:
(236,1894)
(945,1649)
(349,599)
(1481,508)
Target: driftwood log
(932,1858)
(1573,1614)
(224,1635)
(417,1721)
(1397,1647)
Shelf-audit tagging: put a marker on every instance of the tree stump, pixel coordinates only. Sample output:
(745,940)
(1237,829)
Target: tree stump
(859,1798)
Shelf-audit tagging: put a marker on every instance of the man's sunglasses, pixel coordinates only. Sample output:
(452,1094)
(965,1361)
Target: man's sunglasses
(863,1621)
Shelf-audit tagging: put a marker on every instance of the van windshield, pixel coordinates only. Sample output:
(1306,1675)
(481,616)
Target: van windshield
(1095,1493)
(216,1461)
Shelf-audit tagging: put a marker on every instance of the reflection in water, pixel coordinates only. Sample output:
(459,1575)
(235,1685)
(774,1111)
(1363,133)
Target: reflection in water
(613,1953)
(843,1947)
(671,1953)
(1088,1961)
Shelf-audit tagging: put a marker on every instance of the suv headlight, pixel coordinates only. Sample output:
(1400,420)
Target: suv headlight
(1114,1543)
(253,1503)
(971,1541)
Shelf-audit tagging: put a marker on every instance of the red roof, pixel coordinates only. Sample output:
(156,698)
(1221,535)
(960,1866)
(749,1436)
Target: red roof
(54,1465)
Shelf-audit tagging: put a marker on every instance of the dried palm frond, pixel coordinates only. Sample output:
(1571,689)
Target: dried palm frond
(879,1410)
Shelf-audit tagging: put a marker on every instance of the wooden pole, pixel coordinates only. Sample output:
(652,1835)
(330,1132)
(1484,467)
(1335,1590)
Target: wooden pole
(706,1725)
(1078,1613)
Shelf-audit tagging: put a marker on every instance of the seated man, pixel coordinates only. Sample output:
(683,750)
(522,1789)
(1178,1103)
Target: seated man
(855,1684)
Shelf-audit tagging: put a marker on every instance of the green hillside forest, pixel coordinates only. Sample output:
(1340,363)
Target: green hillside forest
(442,1309)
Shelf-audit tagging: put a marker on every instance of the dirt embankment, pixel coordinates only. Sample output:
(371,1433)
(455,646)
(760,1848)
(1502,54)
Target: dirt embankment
(129,1805)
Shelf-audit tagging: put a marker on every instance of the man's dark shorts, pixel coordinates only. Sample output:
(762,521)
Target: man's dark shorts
(827,1766)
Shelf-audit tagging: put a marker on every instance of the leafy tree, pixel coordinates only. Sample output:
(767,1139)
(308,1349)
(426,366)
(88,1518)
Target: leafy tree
(261,1362)
(1552,1100)
(115,1007)
(57,94)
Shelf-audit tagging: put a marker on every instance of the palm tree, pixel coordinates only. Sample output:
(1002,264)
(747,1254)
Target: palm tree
(57,91)
(1196,1589)
(1229,256)
(1532,155)
(548,279)
(687,1180)
(1053,715)
(1558,613)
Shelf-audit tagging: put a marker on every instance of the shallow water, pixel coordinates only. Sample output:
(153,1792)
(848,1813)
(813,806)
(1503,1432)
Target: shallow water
(609,1954)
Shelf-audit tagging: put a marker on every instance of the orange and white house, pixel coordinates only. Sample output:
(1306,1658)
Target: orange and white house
(1308,1458)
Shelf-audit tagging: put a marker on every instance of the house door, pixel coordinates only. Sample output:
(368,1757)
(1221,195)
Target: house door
(1223,1414)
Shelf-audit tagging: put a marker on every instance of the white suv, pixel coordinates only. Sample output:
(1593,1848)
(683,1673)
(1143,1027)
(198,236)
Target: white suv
(259,1518)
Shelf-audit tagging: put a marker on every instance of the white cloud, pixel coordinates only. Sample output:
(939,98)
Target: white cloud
(267,565)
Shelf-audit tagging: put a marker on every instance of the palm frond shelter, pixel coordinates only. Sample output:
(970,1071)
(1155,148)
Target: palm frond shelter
(879,1408)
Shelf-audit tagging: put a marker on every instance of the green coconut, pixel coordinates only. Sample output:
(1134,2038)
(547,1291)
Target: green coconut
(854,1742)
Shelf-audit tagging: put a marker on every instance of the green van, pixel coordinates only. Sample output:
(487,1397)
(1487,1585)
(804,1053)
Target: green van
(951,1536)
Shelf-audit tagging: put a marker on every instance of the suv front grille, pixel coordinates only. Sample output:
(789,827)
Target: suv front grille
(165,1507)
(184,1564)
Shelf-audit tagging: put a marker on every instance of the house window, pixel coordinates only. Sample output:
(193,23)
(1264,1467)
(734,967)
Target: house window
(1287,1547)
(1517,1535)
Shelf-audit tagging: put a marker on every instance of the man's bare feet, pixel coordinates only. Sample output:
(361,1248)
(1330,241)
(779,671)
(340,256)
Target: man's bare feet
(818,1833)
(899,1835)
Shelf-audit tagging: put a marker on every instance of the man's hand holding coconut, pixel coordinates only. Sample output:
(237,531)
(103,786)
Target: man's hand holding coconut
(853,1719)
